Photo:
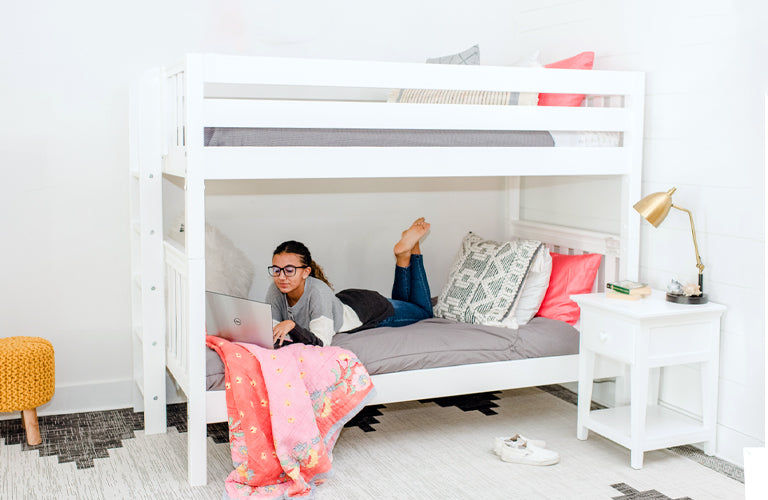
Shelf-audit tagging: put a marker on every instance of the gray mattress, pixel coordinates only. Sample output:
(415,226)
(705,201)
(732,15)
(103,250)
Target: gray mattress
(308,137)
(435,343)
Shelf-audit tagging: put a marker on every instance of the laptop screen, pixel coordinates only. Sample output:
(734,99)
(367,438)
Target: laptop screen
(238,320)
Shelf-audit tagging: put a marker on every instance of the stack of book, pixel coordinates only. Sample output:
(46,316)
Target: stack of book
(627,290)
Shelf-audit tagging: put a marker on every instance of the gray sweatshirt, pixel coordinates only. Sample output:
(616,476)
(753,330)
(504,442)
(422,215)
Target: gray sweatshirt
(318,310)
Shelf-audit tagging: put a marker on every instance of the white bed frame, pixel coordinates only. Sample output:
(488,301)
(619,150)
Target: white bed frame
(171,106)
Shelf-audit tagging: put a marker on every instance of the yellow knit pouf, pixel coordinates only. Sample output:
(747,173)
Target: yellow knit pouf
(27,379)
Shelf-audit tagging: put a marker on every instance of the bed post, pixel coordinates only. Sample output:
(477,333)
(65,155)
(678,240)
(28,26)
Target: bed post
(147,295)
(631,188)
(194,229)
(512,187)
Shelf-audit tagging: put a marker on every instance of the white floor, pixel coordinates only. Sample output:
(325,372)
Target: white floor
(417,451)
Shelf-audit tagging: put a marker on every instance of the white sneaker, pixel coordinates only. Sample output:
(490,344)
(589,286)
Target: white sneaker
(525,453)
(500,442)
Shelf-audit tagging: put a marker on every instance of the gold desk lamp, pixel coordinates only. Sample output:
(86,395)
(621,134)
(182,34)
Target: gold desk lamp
(654,208)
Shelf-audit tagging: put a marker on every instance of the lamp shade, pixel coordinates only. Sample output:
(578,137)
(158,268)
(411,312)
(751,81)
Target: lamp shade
(655,207)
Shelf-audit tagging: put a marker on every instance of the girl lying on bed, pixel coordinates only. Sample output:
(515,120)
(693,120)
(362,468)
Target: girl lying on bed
(305,309)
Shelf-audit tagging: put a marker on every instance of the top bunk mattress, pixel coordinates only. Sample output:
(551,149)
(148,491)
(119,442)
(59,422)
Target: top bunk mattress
(336,137)
(435,343)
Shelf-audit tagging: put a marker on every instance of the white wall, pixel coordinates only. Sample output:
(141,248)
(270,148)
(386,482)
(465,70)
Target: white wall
(64,75)
(351,225)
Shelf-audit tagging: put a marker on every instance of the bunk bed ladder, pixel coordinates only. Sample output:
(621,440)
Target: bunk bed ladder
(146,235)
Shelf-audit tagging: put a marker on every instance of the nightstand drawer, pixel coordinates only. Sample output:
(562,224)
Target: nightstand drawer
(610,336)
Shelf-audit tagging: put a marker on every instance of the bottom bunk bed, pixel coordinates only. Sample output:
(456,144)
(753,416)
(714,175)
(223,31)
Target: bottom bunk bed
(437,358)
(430,359)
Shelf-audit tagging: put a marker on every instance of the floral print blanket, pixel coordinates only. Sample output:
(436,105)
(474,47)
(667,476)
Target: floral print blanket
(286,408)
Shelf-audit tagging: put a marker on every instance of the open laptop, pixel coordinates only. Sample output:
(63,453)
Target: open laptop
(238,320)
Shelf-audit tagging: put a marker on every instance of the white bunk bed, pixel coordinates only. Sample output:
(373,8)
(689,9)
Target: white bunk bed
(172,107)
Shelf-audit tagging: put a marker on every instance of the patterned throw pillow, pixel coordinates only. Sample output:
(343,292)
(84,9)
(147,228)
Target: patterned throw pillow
(468,56)
(432,96)
(486,281)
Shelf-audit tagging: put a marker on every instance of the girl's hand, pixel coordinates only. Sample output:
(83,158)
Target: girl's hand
(281,330)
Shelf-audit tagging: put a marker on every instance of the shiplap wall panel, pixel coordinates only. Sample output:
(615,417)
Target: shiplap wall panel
(704,134)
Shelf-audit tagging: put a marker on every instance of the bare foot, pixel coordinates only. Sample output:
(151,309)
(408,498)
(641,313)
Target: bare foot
(409,242)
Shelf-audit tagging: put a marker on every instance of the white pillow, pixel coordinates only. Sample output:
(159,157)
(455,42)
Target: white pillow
(528,61)
(228,269)
(534,287)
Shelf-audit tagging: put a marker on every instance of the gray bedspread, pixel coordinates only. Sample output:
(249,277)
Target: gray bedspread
(308,137)
(437,342)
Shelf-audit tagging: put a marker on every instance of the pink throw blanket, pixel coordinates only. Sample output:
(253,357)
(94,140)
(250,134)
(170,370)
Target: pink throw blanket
(286,408)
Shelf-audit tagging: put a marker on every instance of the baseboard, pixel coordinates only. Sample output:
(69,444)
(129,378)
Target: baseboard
(97,396)
(85,397)
(731,445)
(173,394)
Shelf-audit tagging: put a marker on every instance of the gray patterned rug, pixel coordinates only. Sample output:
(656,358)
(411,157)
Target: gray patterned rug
(429,449)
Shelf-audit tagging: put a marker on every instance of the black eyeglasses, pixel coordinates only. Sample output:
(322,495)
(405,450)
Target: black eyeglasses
(289,271)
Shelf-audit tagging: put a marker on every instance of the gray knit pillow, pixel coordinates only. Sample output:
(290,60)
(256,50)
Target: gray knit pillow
(468,56)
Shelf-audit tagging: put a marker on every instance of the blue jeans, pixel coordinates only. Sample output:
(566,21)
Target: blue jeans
(410,294)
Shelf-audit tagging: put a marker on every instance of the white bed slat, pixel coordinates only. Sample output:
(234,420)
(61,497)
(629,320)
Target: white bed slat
(378,74)
(355,162)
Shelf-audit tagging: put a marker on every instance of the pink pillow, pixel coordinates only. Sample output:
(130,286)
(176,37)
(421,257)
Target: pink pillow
(585,60)
(571,274)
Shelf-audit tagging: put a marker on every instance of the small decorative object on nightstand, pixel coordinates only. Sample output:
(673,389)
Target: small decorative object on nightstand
(654,208)
(647,335)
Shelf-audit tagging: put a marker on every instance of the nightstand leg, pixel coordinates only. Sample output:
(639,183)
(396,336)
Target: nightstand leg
(638,408)
(586,376)
(709,376)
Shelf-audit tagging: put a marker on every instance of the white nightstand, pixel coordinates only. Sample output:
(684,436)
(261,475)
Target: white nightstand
(648,334)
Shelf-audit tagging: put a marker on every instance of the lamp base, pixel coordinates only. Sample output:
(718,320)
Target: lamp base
(686,299)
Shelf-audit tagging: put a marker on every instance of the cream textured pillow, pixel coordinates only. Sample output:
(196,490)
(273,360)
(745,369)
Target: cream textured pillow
(485,281)
(442,96)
